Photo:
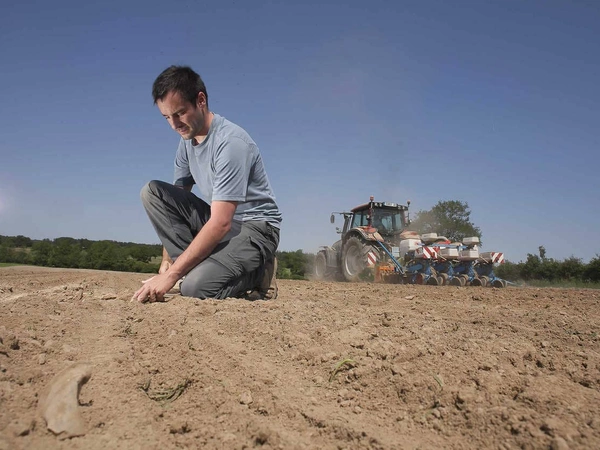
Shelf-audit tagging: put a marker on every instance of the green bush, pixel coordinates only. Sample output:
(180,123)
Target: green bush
(591,272)
(79,253)
(293,265)
(547,271)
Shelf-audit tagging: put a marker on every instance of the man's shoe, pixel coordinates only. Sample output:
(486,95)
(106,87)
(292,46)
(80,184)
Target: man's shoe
(267,290)
(269,283)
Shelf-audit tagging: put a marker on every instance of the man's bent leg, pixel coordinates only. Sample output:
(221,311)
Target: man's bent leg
(176,214)
(228,271)
(211,279)
(235,266)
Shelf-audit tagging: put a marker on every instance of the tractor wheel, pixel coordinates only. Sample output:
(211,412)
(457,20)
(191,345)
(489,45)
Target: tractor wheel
(354,259)
(455,281)
(442,279)
(476,282)
(498,283)
(433,281)
(484,280)
(321,267)
(459,280)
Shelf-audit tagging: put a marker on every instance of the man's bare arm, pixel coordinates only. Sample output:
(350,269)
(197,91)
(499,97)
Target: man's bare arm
(203,244)
(219,224)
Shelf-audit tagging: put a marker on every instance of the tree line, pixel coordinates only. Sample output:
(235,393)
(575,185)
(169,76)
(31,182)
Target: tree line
(74,253)
(541,268)
(68,252)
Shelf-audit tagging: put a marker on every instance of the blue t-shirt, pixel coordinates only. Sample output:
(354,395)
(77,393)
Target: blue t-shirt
(227,166)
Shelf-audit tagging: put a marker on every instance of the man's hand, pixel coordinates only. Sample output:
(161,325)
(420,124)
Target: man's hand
(154,289)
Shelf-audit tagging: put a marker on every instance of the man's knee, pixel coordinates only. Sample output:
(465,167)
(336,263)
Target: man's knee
(150,191)
(190,290)
(210,279)
(191,287)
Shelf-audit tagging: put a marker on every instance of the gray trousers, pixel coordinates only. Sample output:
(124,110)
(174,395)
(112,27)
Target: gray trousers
(235,266)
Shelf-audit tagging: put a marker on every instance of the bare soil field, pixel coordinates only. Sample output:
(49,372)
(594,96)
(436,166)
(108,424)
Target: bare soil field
(325,366)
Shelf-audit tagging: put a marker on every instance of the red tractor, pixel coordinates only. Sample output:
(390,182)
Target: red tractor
(370,241)
(376,246)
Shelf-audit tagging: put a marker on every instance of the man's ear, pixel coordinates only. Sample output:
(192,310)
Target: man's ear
(201,99)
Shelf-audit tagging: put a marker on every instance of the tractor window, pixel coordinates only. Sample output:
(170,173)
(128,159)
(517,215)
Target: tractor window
(360,219)
(388,221)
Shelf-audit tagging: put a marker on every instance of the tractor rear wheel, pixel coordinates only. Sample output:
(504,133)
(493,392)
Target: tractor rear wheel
(355,259)
(321,266)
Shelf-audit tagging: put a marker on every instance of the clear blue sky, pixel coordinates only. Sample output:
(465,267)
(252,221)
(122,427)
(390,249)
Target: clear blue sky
(495,103)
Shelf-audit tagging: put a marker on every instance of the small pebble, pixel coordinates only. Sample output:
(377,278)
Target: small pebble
(246,398)
(559,443)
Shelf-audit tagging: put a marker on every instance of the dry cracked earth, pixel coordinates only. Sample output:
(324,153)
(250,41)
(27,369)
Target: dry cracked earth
(325,366)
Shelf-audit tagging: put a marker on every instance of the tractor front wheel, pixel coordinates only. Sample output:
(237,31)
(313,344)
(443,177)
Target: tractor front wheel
(321,266)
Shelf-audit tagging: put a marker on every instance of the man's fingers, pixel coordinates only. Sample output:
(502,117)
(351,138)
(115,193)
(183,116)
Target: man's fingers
(140,295)
(135,295)
(150,291)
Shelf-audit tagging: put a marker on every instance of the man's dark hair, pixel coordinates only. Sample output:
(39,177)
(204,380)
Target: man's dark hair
(181,79)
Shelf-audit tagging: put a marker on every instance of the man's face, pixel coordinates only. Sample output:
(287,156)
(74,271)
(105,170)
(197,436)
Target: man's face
(184,117)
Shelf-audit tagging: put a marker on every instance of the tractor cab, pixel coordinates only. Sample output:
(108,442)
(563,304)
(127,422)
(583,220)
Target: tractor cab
(388,218)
